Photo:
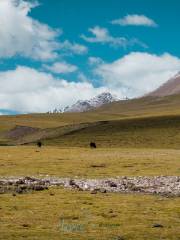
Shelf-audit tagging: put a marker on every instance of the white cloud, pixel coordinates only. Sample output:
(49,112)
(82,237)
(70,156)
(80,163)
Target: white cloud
(73,47)
(61,67)
(138,73)
(28,90)
(136,20)
(102,35)
(22,35)
(94,61)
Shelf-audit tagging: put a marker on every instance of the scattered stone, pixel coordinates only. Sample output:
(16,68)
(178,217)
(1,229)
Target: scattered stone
(112,184)
(98,165)
(102,190)
(25,225)
(94,191)
(31,179)
(166,186)
(120,238)
(19,191)
(20,181)
(71,182)
(157,225)
(39,188)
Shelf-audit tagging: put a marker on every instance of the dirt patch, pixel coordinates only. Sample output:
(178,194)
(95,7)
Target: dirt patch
(20,131)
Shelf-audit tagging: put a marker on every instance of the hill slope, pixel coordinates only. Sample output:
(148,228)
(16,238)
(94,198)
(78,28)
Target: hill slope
(169,88)
(144,122)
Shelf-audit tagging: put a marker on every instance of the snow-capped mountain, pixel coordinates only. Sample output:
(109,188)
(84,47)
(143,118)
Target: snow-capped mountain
(86,105)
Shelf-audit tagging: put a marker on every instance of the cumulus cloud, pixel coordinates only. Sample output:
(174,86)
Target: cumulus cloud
(61,67)
(138,73)
(136,20)
(102,35)
(28,90)
(25,89)
(22,35)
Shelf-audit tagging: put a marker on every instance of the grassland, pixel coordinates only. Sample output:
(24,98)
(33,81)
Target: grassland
(83,162)
(138,137)
(63,214)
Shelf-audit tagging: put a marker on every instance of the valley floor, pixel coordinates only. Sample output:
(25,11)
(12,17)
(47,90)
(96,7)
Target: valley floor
(88,163)
(65,214)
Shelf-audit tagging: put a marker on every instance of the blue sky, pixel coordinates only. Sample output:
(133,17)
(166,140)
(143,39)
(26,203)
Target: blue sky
(53,52)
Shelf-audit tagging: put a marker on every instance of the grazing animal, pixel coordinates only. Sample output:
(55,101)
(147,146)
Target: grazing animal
(92,145)
(39,144)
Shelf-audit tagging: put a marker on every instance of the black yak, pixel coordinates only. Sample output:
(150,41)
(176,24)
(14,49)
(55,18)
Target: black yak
(92,145)
(39,144)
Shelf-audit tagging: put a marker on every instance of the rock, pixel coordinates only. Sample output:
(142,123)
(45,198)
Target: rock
(157,225)
(25,225)
(71,182)
(112,184)
(20,181)
(31,179)
(19,191)
(120,238)
(24,187)
(98,165)
(102,190)
(94,191)
(39,188)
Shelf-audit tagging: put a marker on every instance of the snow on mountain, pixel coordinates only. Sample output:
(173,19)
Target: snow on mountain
(86,105)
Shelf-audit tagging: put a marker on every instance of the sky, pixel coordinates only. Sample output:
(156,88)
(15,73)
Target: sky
(55,52)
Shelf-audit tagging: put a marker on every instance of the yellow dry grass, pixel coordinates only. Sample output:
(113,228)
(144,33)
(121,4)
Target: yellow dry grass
(70,162)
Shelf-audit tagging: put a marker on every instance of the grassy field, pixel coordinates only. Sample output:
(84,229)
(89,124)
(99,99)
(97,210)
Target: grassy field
(89,163)
(63,214)
(139,137)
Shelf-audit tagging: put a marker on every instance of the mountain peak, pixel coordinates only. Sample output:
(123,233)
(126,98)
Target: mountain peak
(86,105)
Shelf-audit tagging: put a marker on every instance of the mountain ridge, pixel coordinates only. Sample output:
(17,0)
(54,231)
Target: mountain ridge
(87,105)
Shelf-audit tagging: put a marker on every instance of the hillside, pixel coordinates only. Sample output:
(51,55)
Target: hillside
(143,122)
(171,87)
(146,106)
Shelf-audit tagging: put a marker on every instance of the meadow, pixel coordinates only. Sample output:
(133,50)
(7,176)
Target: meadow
(70,214)
(139,137)
(88,163)
(64,214)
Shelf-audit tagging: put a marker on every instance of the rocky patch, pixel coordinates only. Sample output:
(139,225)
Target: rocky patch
(162,185)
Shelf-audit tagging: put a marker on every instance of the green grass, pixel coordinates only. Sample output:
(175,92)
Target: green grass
(87,216)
